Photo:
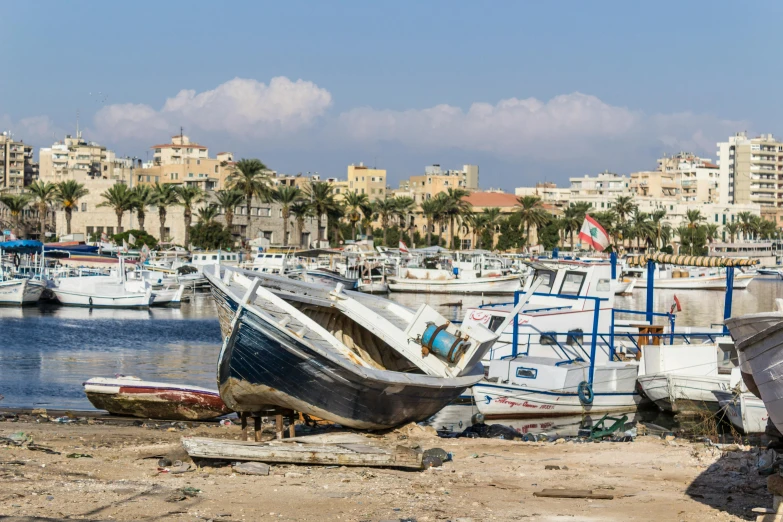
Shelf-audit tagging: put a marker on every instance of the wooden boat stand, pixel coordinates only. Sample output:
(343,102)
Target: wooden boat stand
(279,426)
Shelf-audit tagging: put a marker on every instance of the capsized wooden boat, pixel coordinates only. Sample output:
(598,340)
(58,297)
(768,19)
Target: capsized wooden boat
(352,358)
(154,400)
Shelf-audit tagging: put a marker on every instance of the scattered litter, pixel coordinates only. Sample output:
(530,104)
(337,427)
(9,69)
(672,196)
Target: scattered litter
(164,463)
(552,467)
(491,431)
(226,422)
(251,468)
(44,449)
(63,420)
(182,494)
(78,456)
(431,462)
(39,411)
(12,463)
(439,453)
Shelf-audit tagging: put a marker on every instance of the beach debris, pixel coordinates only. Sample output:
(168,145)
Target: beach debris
(64,420)
(431,462)
(182,494)
(491,431)
(346,454)
(19,438)
(226,422)
(164,463)
(439,453)
(572,493)
(251,468)
(45,449)
(552,467)
(78,456)
(41,412)
(12,463)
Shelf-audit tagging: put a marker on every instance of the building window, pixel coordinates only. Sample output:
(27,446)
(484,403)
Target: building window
(89,230)
(84,207)
(190,174)
(716,218)
(110,231)
(216,169)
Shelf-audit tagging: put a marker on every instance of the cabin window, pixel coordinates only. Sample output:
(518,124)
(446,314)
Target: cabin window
(575,337)
(548,339)
(546,278)
(495,321)
(214,257)
(604,285)
(278,256)
(572,283)
(527,373)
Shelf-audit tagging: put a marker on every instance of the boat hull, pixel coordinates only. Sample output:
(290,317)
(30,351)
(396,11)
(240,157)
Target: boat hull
(745,411)
(20,292)
(262,364)
(763,353)
(373,288)
(684,393)
(154,400)
(481,285)
(741,281)
(327,278)
(504,402)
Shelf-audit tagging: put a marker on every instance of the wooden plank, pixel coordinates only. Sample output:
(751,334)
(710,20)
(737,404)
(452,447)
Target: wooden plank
(356,455)
(572,493)
(330,438)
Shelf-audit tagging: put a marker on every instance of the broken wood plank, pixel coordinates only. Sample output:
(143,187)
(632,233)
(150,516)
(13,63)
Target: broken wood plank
(572,493)
(343,455)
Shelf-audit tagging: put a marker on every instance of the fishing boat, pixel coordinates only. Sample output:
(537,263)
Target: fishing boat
(352,358)
(17,289)
(154,400)
(775,272)
(372,280)
(101,291)
(745,411)
(683,378)
(670,277)
(624,287)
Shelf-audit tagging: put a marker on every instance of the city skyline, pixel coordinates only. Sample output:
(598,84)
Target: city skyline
(612,88)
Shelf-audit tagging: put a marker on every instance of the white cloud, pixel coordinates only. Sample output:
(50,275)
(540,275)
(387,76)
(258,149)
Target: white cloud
(36,130)
(567,127)
(238,107)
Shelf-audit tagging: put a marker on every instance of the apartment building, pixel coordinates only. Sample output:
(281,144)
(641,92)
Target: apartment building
(697,179)
(16,163)
(183,162)
(366,180)
(436,179)
(751,169)
(654,183)
(77,158)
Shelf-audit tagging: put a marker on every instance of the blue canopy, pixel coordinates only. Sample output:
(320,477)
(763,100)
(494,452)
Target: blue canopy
(22,246)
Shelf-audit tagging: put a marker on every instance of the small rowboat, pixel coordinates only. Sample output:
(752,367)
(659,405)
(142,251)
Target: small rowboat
(154,400)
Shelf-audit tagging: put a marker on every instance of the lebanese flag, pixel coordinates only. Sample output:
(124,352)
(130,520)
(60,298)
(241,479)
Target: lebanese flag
(594,234)
(403,248)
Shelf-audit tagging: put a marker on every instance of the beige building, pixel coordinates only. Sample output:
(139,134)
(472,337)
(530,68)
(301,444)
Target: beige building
(436,180)
(16,163)
(364,180)
(76,158)
(654,183)
(183,162)
(697,179)
(751,170)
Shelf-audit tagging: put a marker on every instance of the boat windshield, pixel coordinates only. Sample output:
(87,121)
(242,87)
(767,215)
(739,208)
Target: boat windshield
(546,277)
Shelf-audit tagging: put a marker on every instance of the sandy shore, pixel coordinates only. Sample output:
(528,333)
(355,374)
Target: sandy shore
(650,478)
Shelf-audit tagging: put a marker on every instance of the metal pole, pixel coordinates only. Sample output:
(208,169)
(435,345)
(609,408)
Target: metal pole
(514,328)
(593,343)
(613,258)
(729,295)
(650,286)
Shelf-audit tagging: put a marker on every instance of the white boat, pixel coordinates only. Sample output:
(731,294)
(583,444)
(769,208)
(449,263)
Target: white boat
(745,411)
(682,378)
(532,387)
(100,292)
(20,292)
(691,279)
(438,281)
(624,287)
(763,356)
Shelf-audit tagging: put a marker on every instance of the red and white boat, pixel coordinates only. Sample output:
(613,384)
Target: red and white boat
(124,395)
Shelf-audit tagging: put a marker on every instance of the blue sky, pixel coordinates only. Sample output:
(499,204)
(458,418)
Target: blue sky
(528,90)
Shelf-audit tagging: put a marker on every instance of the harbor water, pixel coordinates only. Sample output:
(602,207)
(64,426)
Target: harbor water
(46,352)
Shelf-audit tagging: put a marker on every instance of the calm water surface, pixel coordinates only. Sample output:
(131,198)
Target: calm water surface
(46,353)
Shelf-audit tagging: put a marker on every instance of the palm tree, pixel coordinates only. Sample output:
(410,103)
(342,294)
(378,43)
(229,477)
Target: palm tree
(657,220)
(456,208)
(755,226)
(353,206)
(248,176)
(385,208)
(121,199)
(642,228)
(623,207)
(208,214)
(321,196)
(16,204)
(479,223)
(684,232)
(745,223)
(768,229)
(429,208)
(493,218)
(189,196)
(301,210)
(335,212)
(143,196)
(694,219)
(732,229)
(711,231)
(286,196)
(228,200)
(68,194)
(166,195)
(531,213)
(404,207)
(44,194)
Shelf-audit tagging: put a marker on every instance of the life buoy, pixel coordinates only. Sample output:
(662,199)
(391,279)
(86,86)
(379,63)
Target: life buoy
(585,392)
